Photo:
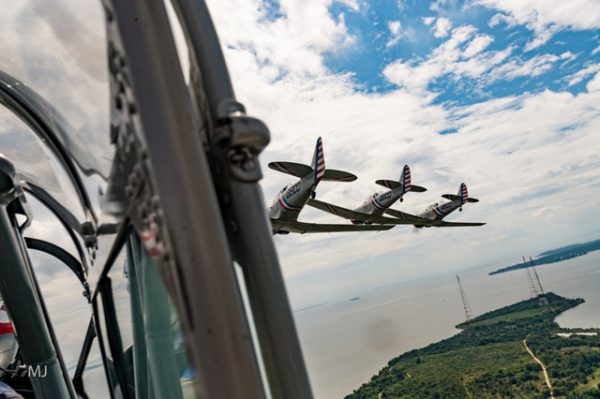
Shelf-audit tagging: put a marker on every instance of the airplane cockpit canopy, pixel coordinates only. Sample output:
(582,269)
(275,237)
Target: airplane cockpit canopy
(434,205)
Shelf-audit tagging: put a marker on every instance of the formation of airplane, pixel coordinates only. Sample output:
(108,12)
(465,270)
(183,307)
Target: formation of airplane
(373,214)
(292,198)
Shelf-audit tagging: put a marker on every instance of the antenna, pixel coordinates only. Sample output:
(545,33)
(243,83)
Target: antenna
(533,291)
(543,301)
(537,278)
(468,312)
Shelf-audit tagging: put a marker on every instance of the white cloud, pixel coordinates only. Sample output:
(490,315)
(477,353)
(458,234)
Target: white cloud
(567,55)
(499,18)
(594,84)
(436,5)
(596,50)
(583,73)
(517,67)
(477,45)
(353,4)
(395,28)
(465,54)
(462,55)
(416,76)
(545,17)
(295,43)
(428,20)
(442,27)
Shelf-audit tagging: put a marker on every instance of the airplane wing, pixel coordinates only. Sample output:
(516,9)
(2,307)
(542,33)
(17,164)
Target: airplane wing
(451,197)
(428,222)
(410,219)
(291,168)
(338,210)
(441,223)
(399,217)
(284,226)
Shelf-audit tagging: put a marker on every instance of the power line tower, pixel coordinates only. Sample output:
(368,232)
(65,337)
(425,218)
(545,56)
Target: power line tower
(533,290)
(543,301)
(468,312)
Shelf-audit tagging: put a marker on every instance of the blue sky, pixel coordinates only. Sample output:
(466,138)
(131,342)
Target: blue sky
(414,22)
(501,94)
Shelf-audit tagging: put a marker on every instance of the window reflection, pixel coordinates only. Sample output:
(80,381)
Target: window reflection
(69,71)
(138,319)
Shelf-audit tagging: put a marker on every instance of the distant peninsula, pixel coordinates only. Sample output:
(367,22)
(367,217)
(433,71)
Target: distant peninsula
(518,351)
(555,255)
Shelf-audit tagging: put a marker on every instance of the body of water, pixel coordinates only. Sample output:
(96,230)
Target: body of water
(345,342)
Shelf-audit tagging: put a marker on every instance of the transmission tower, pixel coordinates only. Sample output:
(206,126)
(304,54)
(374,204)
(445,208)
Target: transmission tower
(537,278)
(533,290)
(468,312)
(543,301)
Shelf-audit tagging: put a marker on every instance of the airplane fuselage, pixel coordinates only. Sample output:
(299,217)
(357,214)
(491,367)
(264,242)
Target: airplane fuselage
(439,211)
(377,203)
(291,199)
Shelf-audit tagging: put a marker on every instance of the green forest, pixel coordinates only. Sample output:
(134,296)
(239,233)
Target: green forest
(555,255)
(488,359)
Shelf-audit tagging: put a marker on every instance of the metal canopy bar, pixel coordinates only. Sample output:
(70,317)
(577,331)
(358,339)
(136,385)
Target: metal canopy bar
(65,257)
(65,217)
(235,136)
(22,297)
(33,110)
(171,197)
(118,243)
(90,335)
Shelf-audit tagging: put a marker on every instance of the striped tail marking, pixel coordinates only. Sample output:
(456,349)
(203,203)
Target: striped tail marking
(406,178)
(319,161)
(464,194)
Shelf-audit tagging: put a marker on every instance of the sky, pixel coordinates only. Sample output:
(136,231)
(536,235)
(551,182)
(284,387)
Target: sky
(502,95)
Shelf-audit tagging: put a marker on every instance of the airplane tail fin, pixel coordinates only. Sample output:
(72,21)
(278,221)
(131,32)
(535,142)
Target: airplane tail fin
(463,193)
(405,179)
(318,162)
(404,182)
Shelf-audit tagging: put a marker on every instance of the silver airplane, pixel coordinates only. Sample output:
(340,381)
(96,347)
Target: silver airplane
(287,205)
(376,205)
(435,212)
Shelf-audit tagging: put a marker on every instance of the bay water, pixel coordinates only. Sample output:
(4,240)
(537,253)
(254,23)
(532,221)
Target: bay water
(346,341)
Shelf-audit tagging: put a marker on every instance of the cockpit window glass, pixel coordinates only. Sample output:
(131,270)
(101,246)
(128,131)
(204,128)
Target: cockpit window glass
(68,71)
(67,308)
(153,357)
(34,162)
(94,379)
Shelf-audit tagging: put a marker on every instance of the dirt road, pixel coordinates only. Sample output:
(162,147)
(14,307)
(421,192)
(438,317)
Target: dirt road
(543,369)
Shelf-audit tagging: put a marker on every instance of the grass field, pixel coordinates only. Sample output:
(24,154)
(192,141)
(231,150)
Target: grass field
(510,317)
